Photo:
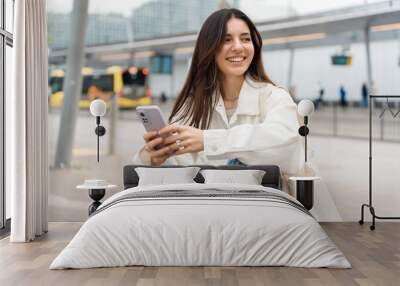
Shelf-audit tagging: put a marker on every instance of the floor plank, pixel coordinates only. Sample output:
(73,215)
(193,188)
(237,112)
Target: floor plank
(374,255)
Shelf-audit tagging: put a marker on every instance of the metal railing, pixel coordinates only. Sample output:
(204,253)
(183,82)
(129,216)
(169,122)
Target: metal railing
(351,121)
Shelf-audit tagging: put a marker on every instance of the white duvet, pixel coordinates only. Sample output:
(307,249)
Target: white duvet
(200,231)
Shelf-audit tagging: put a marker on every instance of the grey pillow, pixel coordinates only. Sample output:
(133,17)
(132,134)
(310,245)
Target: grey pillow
(248,177)
(166,176)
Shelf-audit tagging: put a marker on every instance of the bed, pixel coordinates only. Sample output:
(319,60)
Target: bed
(201,224)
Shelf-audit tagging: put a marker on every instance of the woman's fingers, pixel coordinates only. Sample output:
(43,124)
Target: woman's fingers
(172,139)
(170,129)
(164,151)
(177,140)
(182,150)
(182,147)
(160,156)
(182,135)
(151,145)
(148,136)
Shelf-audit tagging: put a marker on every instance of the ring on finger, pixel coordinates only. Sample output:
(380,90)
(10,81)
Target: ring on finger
(180,145)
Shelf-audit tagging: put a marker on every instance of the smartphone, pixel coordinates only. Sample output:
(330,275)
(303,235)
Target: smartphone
(151,117)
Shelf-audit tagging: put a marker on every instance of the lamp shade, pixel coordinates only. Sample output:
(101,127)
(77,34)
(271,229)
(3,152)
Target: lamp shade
(98,107)
(305,107)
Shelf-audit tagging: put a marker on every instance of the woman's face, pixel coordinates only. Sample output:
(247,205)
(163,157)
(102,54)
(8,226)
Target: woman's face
(237,50)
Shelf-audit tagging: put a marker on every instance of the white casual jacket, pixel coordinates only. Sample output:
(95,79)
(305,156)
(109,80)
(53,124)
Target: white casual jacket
(263,130)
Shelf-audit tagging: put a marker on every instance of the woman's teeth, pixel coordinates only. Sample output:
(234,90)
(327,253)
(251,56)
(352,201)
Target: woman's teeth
(236,59)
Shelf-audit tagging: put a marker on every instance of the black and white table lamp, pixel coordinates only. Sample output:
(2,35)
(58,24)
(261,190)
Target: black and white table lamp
(305,183)
(98,109)
(97,189)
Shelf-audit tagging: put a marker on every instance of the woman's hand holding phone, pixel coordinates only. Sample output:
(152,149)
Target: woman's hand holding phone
(153,121)
(183,139)
(158,152)
(164,141)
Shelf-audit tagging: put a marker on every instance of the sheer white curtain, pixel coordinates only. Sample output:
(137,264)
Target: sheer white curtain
(26,126)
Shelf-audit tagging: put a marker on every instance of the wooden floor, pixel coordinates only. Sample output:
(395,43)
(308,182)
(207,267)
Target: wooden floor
(374,255)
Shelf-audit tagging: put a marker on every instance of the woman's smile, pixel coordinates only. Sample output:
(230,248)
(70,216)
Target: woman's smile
(236,60)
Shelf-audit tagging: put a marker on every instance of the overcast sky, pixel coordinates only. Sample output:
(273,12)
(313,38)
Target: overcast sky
(252,7)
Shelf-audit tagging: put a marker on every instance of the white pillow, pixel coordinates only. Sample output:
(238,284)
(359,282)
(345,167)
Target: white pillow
(248,177)
(166,176)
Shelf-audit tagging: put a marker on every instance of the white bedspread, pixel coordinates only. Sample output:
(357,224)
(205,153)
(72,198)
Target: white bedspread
(200,231)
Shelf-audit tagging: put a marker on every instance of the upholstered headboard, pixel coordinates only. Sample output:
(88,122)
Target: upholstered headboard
(271,178)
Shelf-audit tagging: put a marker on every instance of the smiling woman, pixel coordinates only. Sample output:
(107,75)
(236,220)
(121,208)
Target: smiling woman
(229,111)
(227,49)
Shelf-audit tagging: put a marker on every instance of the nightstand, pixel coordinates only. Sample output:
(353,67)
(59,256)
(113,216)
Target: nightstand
(304,191)
(97,190)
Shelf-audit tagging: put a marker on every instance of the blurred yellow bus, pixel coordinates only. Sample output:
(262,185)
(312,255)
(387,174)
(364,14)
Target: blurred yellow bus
(129,85)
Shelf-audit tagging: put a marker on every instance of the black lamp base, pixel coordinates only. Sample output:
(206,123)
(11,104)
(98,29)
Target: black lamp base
(96,195)
(305,193)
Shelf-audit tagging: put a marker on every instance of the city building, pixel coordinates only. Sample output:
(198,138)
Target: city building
(168,17)
(101,29)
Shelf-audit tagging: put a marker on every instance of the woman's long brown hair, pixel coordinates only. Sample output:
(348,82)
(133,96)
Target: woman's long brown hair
(196,102)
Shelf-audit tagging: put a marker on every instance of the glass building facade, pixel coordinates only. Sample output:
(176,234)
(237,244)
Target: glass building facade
(168,17)
(101,29)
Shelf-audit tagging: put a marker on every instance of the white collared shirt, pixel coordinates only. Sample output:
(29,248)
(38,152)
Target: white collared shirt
(262,130)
